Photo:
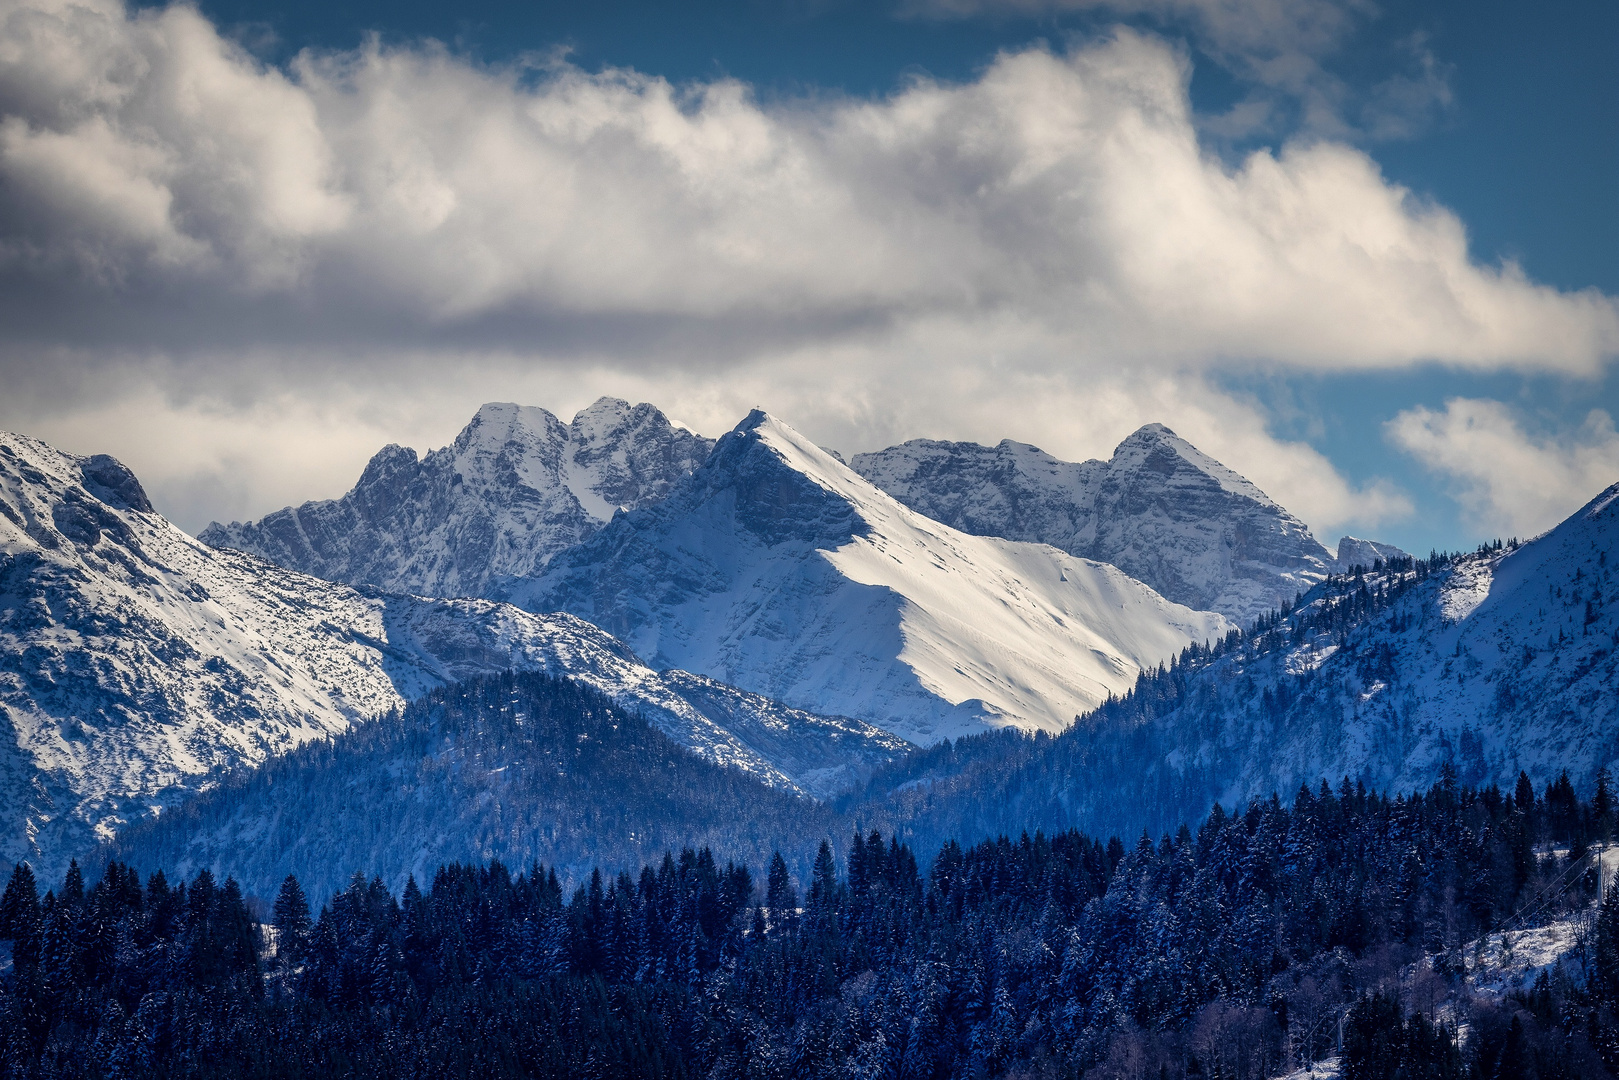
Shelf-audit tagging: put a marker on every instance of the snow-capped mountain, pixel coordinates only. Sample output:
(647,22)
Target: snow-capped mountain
(515,487)
(1161,510)
(776,568)
(135,661)
(1490,663)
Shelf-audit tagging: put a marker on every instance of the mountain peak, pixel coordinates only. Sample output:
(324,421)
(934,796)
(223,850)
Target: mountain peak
(756,418)
(111,481)
(1154,447)
(515,487)
(779,569)
(1160,509)
(498,423)
(1154,432)
(605,414)
(1354,551)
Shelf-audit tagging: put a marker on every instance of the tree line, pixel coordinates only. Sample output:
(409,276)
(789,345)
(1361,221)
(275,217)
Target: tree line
(1257,942)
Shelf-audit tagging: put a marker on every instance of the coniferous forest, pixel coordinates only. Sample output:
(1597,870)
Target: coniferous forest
(1254,944)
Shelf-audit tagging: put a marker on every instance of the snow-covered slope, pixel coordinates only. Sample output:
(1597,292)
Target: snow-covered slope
(1161,510)
(1493,662)
(776,568)
(135,660)
(1490,663)
(516,487)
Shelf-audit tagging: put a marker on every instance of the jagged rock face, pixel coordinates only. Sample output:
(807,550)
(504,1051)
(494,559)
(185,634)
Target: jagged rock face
(135,661)
(515,487)
(776,568)
(1160,510)
(1353,552)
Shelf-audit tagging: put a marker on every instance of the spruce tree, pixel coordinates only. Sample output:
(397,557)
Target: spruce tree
(1602,806)
(19,906)
(290,916)
(780,897)
(1605,980)
(72,892)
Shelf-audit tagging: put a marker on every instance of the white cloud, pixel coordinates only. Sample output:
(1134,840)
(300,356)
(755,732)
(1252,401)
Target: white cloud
(388,188)
(1282,48)
(1509,479)
(365,246)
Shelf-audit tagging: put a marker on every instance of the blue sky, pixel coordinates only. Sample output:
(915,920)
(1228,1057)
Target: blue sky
(1500,115)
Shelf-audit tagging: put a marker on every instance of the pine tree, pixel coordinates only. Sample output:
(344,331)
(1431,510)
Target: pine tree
(59,951)
(19,905)
(72,892)
(1605,979)
(290,917)
(1602,805)
(780,896)
(824,882)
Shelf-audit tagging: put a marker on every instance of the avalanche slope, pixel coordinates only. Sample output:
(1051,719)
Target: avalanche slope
(136,661)
(776,568)
(1161,510)
(515,487)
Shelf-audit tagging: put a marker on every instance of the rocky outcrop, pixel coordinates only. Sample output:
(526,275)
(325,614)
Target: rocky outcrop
(516,487)
(1161,510)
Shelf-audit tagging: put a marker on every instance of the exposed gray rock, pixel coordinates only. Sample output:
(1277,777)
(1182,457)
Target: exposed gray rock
(1160,510)
(1353,552)
(515,487)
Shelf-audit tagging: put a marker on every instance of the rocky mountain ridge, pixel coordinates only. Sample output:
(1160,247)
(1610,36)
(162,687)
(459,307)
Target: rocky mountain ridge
(515,487)
(777,568)
(136,662)
(1159,509)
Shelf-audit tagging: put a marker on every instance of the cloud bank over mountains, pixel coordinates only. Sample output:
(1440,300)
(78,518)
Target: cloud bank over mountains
(177,216)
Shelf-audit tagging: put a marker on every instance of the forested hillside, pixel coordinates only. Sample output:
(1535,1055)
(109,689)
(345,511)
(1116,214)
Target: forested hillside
(520,767)
(1230,951)
(1485,664)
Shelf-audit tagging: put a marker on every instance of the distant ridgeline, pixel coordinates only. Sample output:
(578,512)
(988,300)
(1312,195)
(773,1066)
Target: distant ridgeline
(524,767)
(1241,950)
